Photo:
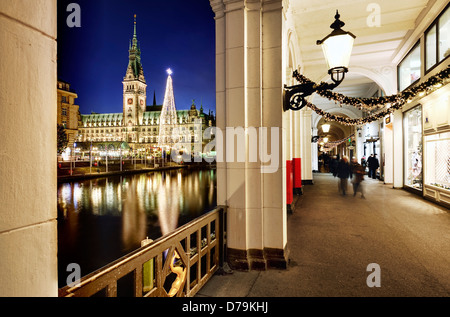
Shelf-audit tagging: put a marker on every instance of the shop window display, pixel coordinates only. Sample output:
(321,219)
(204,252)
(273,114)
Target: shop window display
(437,163)
(412,122)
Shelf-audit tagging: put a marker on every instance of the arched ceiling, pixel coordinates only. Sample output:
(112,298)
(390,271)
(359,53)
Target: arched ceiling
(378,47)
(400,24)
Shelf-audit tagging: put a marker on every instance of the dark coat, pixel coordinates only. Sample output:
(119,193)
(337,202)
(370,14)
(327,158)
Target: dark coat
(333,166)
(373,162)
(358,171)
(344,170)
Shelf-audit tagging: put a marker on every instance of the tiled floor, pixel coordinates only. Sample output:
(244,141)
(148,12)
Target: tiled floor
(333,238)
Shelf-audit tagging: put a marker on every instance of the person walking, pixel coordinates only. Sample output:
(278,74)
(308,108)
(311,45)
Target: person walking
(344,172)
(358,177)
(333,165)
(373,164)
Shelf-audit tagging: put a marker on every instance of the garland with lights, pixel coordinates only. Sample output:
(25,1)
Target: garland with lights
(332,144)
(339,141)
(348,121)
(374,103)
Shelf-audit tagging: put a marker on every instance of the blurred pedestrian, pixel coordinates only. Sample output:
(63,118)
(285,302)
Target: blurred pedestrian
(333,165)
(344,172)
(373,164)
(358,177)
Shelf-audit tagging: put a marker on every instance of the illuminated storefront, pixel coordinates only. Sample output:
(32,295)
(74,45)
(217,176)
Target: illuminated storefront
(412,124)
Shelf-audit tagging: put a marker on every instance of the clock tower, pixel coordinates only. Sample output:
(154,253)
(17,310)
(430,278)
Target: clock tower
(134,91)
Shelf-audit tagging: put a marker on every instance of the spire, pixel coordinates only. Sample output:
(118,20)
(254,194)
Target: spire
(135,41)
(134,70)
(154,97)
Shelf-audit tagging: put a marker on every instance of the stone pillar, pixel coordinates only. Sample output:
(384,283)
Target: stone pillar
(306,116)
(28,229)
(398,148)
(314,152)
(297,154)
(288,126)
(249,99)
(388,153)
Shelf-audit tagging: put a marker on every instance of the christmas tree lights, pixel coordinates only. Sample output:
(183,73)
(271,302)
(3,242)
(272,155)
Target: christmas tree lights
(168,128)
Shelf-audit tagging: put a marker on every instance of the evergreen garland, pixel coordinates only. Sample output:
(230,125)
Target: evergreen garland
(391,103)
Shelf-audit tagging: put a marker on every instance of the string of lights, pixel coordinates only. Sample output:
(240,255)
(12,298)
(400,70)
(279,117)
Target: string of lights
(348,121)
(328,146)
(375,103)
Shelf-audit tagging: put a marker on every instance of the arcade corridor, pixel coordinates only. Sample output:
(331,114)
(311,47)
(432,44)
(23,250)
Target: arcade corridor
(332,239)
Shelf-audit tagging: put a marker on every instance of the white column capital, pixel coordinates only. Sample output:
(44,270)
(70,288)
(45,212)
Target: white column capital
(218,8)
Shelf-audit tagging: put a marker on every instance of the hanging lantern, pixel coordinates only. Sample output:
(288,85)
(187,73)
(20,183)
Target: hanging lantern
(337,48)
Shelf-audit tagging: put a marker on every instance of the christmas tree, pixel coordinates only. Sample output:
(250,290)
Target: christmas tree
(168,128)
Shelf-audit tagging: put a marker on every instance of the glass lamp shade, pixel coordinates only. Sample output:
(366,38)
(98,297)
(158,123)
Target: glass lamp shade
(337,50)
(326,128)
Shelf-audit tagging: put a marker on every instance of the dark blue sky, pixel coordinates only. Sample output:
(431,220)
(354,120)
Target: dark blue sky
(176,34)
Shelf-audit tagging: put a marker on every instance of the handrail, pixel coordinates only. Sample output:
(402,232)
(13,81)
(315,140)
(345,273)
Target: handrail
(206,232)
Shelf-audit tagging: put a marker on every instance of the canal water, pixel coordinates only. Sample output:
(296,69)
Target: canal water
(103,219)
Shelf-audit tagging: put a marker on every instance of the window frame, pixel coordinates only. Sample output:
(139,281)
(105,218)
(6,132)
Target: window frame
(434,23)
(417,44)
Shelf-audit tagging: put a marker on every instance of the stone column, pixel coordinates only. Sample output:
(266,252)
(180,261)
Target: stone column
(314,152)
(28,227)
(388,153)
(249,98)
(305,115)
(297,153)
(398,148)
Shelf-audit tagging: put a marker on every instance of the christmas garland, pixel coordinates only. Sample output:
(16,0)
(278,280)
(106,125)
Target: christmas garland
(374,103)
(348,121)
(338,141)
(392,103)
(332,144)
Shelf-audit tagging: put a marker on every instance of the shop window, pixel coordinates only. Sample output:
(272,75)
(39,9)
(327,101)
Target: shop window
(412,124)
(444,35)
(437,40)
(431,47)
(409,68)
(437,168)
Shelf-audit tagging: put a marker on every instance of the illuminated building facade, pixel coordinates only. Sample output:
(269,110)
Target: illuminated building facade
(139,124)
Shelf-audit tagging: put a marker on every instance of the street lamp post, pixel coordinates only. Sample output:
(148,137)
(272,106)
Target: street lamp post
(337,48)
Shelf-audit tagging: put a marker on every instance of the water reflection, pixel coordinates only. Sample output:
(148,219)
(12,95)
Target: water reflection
(100,220)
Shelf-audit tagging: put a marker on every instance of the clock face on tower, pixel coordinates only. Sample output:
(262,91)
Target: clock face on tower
(130,101)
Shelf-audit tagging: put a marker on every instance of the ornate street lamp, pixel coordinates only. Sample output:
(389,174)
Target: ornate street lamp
(337,48)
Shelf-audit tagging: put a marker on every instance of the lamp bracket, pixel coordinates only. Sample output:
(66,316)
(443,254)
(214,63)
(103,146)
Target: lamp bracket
(294,97)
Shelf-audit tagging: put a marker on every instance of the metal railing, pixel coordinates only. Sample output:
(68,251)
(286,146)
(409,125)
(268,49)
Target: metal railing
(177,264)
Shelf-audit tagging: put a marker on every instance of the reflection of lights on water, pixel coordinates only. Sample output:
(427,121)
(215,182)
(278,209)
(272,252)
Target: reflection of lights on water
(96,196)
(77,195)
(165,195)
(66,192)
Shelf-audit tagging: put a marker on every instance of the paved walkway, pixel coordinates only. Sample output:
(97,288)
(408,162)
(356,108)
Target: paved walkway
(333,238)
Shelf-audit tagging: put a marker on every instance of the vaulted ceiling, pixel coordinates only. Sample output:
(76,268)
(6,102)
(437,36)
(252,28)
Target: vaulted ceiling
(375,44)
(377,47)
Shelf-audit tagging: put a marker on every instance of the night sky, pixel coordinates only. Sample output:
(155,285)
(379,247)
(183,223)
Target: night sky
(176,34)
